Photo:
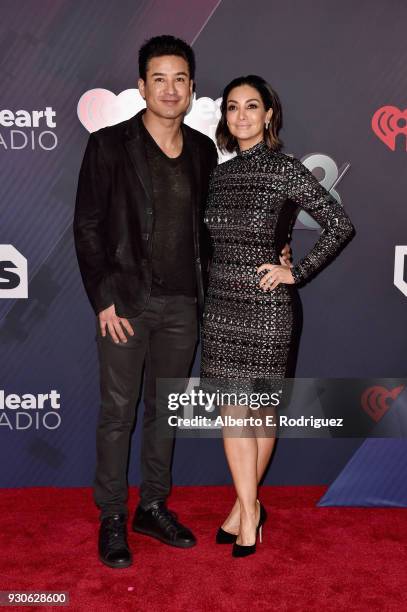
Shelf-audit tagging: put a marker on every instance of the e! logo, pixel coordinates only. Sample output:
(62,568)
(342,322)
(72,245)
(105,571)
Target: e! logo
(13,273)
(399,262)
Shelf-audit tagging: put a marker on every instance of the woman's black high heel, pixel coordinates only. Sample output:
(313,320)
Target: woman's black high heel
(239,550)
(224,537)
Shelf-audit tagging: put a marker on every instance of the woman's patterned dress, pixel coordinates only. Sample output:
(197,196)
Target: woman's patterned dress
(252,203)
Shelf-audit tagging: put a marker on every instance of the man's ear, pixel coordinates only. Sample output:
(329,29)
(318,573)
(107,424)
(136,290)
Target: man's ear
(141,88)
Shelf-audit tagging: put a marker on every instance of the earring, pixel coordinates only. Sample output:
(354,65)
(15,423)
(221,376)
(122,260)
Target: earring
(267,124)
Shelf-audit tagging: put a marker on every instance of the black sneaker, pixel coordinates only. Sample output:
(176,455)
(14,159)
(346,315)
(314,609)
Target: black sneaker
(113,547)
(160,523)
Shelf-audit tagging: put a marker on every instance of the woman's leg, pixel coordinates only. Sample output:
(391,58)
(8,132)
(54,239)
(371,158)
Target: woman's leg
(266,438)
(240,446)
(265,447)
(241,454)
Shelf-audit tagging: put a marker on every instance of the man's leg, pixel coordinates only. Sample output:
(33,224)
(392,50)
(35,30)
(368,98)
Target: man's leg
(170,353)
(121,367)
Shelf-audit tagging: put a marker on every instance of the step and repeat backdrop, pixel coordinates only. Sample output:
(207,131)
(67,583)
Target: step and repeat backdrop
(68,68)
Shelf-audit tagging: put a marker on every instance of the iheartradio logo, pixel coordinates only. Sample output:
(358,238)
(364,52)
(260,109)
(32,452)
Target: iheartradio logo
(387,123)
(98,108)
(375,400)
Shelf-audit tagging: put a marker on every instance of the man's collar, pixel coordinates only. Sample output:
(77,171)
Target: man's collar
(134,125)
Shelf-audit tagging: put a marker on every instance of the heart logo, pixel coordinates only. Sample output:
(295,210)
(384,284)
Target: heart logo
(387,123)
(374,400)
(98,108)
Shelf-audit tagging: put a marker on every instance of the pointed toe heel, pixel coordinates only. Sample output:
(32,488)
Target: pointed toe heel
(224,537)
(239,550)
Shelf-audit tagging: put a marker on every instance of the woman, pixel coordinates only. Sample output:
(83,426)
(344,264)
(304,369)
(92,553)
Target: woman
(252,317)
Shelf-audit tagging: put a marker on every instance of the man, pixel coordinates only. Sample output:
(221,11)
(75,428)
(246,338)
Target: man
(143,254)
(142,257)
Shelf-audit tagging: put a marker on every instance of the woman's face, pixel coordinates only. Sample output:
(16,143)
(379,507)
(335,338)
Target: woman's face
(246,115)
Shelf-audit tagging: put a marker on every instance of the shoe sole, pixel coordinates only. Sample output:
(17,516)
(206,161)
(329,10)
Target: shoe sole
(156,537)
(113,565)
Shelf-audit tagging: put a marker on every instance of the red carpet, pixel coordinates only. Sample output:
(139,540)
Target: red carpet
(310,559)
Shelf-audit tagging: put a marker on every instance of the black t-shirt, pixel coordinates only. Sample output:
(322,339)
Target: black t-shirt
(173,246)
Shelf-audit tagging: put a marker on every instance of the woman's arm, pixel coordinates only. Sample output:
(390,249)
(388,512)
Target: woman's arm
(337,229)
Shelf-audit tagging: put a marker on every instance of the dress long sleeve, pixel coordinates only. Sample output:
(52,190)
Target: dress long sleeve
(337,229)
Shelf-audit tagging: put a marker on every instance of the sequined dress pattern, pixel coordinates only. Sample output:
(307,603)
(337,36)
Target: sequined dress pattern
(252,202)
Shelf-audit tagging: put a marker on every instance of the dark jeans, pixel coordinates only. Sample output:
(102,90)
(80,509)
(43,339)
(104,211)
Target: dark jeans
(165,338)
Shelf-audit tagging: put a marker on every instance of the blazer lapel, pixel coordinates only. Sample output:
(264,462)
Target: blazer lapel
(194,164)
(136,149)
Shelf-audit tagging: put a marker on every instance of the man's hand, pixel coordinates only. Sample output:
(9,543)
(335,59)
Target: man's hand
(286,256)
(108,319)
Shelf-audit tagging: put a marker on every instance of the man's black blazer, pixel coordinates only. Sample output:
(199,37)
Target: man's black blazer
(114,215)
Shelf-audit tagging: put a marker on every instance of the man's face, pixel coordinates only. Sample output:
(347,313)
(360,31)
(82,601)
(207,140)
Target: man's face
(167,89)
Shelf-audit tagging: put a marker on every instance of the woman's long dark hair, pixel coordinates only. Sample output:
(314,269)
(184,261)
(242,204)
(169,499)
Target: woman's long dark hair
(225,140)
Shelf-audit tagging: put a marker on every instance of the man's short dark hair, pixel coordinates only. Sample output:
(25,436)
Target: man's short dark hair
(165,45)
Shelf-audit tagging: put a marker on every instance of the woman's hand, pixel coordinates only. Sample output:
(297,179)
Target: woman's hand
(286,256)
(276,274)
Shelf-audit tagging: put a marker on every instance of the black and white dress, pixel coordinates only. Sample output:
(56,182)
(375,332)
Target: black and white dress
(252,204)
